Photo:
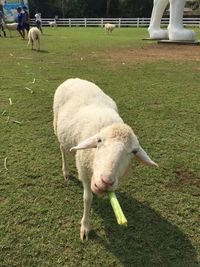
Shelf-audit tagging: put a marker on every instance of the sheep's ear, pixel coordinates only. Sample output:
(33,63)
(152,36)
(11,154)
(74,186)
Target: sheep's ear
(91,142)
(142,156)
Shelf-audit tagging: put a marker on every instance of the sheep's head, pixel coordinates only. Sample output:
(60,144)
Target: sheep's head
(115,146)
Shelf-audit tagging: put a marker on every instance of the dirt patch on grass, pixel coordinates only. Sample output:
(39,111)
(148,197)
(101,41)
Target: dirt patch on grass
(2,104)
(184,178)
(149,53)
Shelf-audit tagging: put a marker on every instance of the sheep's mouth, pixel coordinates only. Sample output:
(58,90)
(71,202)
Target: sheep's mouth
(96,189)
(102,189)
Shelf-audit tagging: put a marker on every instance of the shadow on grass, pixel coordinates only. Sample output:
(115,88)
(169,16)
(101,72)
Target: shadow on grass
(149,239)
(39,51)
(42,51)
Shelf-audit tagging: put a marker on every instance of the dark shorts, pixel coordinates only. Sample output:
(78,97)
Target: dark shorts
(27,26)
(20,27)
(38,23)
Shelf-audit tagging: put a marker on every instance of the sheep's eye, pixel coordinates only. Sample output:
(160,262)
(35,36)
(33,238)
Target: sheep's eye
(134,151)
(99,140)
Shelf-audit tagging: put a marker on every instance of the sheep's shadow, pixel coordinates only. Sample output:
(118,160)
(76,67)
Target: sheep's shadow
(149,239)
(41,51)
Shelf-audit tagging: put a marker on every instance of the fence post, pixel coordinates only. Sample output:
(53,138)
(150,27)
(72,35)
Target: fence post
(101,22)
(85,22)
(119,24)
(69,22)
(138,22)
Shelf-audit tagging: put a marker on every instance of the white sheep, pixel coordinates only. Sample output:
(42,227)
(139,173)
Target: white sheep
(10,27)
(109,27)
(34,36)
(52,23)
(87,121)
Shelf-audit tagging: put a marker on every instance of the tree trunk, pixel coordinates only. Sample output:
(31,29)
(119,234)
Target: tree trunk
(108,4)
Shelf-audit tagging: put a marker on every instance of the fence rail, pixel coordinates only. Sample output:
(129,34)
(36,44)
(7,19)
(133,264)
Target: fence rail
(119,22)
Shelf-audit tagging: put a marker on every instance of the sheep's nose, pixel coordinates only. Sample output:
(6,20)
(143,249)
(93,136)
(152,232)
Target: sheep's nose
(107,180)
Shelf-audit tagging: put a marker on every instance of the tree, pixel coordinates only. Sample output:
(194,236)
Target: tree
(108,5)
(91,8)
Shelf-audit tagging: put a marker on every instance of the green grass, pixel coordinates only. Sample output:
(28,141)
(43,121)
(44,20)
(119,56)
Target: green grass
(39,213)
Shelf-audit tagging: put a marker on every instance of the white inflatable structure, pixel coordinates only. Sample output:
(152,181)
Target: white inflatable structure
(175,30)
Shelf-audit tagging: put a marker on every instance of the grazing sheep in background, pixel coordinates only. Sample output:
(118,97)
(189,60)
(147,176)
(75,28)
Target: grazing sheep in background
(10,27)
(52,23)
(34,36)
(87,121)
(109,27)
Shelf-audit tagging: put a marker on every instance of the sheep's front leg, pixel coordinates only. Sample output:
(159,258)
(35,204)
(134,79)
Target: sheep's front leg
(87,199)
(64,162)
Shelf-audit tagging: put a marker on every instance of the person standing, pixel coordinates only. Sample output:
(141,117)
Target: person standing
(2,19)
(26,19)
(38,21)
(20,21)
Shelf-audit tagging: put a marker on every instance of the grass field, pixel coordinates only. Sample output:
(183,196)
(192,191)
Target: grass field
(156,88)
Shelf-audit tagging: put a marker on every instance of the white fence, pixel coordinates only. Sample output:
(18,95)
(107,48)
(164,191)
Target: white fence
(120,22)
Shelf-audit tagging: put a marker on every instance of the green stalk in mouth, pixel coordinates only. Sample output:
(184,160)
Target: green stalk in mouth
(121,219)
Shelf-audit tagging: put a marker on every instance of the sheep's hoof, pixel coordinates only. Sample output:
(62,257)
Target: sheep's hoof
(66,175)
(84,232)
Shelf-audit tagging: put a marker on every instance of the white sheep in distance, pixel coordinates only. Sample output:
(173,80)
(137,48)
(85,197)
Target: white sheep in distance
(52,23)
(10,27)
(34,36)
(109,27)
(87,121)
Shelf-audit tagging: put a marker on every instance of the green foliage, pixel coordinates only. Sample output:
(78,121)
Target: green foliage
(158,96)
(91,8)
